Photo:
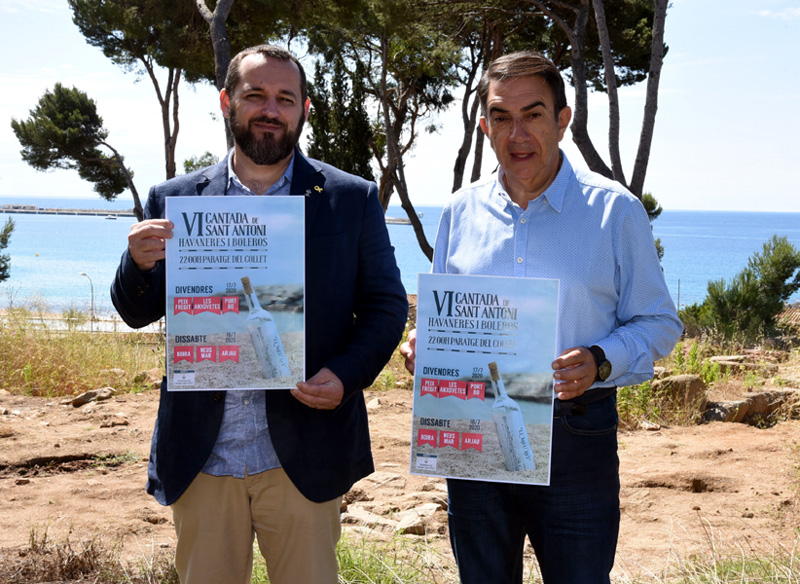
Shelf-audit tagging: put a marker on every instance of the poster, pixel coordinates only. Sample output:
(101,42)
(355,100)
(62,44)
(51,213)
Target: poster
(483,383)
(235,277)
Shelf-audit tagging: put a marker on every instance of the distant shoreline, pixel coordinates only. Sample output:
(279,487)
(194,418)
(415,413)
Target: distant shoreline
(34,210)
(113,214)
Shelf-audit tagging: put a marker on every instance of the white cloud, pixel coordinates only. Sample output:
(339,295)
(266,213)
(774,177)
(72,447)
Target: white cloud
(786,14)
(25,6)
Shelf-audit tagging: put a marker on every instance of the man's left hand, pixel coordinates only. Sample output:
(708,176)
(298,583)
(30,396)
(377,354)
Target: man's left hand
(323,391)
(575,371)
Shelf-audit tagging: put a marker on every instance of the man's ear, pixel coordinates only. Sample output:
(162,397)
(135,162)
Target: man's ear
(306,107)
(564,116)
(484,125)
(224,102)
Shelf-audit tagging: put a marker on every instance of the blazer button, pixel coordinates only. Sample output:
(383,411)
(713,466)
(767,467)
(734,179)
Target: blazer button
(218,395)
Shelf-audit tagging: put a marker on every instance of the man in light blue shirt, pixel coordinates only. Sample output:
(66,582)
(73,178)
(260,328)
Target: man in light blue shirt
(539,217)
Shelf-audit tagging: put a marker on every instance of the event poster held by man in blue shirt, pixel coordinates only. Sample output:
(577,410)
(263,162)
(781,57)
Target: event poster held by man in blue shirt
(540,217)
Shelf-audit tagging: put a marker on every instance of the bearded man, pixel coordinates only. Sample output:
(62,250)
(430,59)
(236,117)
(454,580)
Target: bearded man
(273,464)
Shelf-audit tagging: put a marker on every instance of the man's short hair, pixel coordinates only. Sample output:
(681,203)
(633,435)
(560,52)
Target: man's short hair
(233,76)
(524,64)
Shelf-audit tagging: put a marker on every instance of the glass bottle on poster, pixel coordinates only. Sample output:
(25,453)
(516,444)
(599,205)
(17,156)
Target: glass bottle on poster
(264,334)
(510,425)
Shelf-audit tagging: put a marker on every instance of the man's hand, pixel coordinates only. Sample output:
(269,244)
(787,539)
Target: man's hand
(146,242)
(324,391)
(575,371)
(408,350)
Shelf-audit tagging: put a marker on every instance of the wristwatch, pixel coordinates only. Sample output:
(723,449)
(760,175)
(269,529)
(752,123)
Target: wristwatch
(603,364)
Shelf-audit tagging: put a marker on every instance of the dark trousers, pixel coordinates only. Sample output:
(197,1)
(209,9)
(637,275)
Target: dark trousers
(572,524)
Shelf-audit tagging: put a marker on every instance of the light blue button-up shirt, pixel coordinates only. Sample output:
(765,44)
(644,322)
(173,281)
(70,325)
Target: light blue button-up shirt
(243,443)
(590,233)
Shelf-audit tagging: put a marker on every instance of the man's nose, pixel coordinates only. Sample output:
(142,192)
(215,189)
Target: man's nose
(518,131)
(270,107)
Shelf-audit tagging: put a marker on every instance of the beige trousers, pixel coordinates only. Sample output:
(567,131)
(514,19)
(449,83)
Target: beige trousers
(216,519)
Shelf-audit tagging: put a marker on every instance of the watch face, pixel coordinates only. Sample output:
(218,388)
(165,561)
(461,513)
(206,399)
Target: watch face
(604,371)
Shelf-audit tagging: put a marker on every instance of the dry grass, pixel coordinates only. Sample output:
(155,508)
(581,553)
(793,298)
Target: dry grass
(47,561)
(36,359)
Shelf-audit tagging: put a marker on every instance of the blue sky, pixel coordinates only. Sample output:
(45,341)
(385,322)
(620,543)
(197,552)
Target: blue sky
(725,138)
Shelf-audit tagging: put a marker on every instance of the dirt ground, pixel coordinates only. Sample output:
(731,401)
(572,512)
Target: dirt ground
(80,472)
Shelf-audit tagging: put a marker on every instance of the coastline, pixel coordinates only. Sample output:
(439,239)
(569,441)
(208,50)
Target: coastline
(32,210)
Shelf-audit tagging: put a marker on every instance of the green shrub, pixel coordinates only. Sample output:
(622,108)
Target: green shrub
(745,309)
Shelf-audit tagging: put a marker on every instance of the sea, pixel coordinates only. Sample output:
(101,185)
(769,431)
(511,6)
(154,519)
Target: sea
(60,262)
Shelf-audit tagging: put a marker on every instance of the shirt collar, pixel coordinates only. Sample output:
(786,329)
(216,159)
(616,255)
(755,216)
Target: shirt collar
(554,194)
(237,185)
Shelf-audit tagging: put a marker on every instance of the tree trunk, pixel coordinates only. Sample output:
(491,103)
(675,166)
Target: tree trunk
(221,43)
(395,171)
(477,162)
(580,117)
(651,101)
(611,88)
(470,121)
(165,100)
(173,141)
(137,204)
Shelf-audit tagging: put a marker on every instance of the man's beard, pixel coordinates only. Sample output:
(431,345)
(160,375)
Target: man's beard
(267,150)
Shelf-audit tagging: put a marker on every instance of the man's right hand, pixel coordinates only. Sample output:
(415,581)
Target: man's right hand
(146,242)
(408,350)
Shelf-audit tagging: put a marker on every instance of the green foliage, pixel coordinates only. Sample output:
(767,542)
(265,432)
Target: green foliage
(197,162)
(5,259)
(751,380)
(74,318)
(653,209)
(692,362)
(406,65)
(652,206)
(710,372)
(680,358)
(341,131)
(140,33)
(637,402)
(642,403)
(64,131)
(746,308)
(630,28)
(114,460)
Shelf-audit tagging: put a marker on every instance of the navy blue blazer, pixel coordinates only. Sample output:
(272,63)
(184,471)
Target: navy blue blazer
(356,310)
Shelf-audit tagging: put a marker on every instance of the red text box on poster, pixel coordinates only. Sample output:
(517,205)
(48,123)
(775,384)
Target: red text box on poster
(230,304)
(453,387)
(448,439)
(207,304)
(425,436)
(206,353)
(183,354)
(182,304)
(471,440)
(476,390)
(429,387)
(229,353)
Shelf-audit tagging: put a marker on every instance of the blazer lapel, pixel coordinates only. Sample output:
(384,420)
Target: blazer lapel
(308,181)
(216,180)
